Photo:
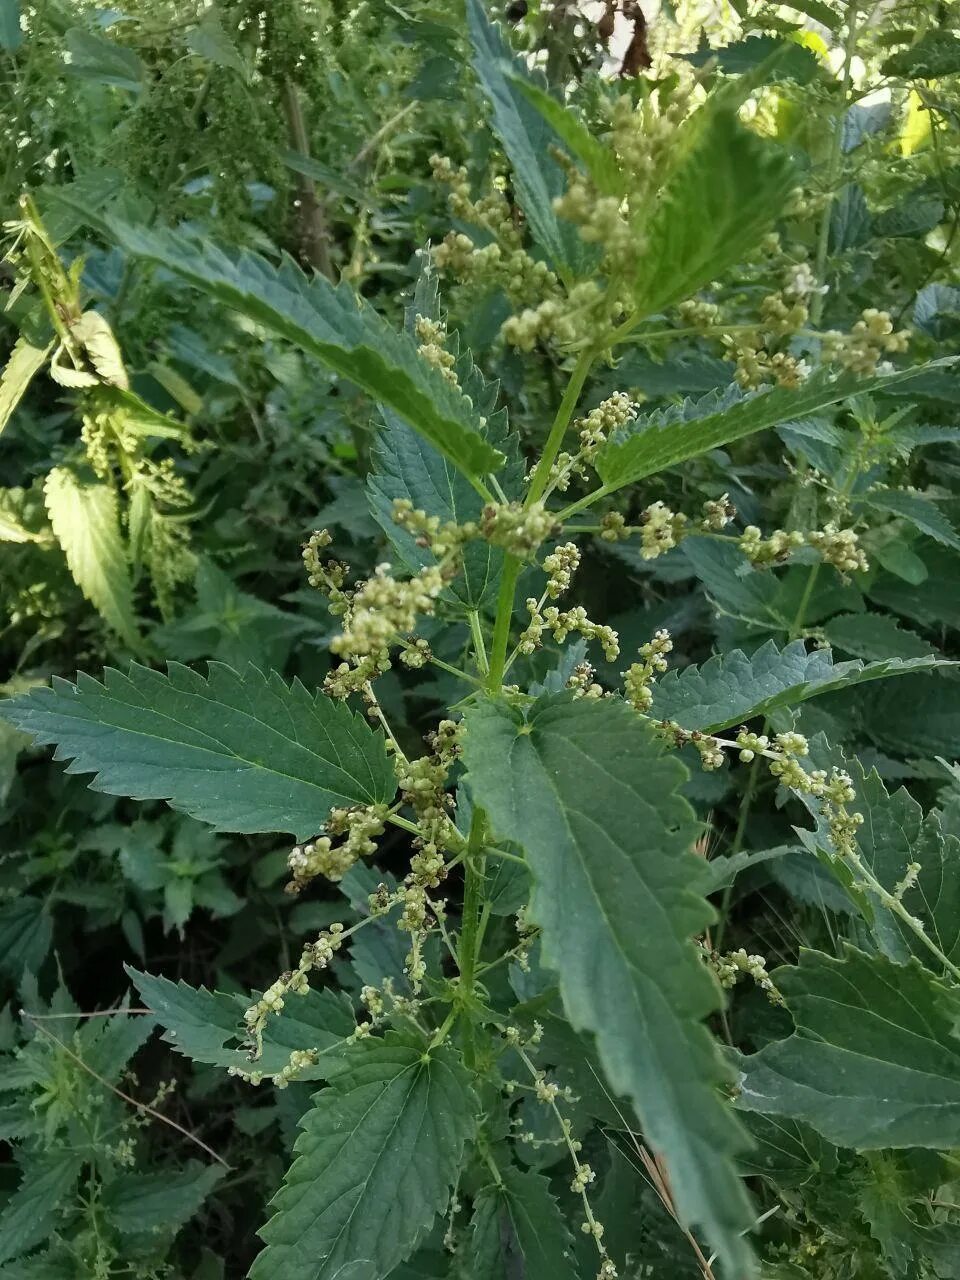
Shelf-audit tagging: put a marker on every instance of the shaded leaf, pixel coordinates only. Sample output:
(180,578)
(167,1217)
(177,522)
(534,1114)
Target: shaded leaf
(331,324)
(916,510)
(200,1024)
(874,1061)
(874,636)
(163,1201)
(517,1229)
(732,687)
(242,752)
(526,138)
(675,434)
(32,1213)
(26,930)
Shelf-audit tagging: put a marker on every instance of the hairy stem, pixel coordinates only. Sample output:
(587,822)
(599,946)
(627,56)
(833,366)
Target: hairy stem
(469,943)
(568,404)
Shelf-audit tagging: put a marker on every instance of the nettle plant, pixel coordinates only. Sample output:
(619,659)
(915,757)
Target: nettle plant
(542,979)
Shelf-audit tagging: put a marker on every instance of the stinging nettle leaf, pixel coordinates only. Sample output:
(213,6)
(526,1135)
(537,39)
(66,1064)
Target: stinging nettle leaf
(242,752)
(675,434)
(331,324)
(405,465)
(378,1155)
(138,1202)
(588,791)
(875,1059)
(732,687)
(201,1025)
(724,191)
(85,517)
(518,1229)
(916,510)
(26,359)
(894,834)
(527,139)
(874,636)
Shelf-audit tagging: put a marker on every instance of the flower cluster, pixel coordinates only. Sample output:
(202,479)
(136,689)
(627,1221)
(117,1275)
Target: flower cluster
(775,549)
(582,683)
(661,528)
(423,787)
(594,431)
(518,529)
(638,678)
(443,537)
(863,348)
(321,857)
(562,624)
(731,966)
(315,955)
(431,337)
(560,566)
(839,547)
(384,607)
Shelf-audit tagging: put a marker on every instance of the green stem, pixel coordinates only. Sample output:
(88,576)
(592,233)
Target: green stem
(834,161)
(541,474)
(538,484)
(582,503)
(501,628)
(468,946)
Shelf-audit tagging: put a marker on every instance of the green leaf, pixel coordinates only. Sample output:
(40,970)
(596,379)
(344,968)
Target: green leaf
(874,636)
(916,510)
(209,40)
(676,434)
(786,1153)
(874,1061)
(725,189)
(26,360)
(897,558)
(588,791)
(331,324)
(407,466)
(773,58)
(719,872)
(914,717)
(26,930)
(94,57)
(894,833)
(517,1228)
(32,1213)
(86,520)
(243,752)
(732,687)
(322,173)
(526,138)
(137,1202)
(598,160)
(934,599)
(819,10)
(379,1152)
(733,587)
(11,36)
(200,1023)
(935,54)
